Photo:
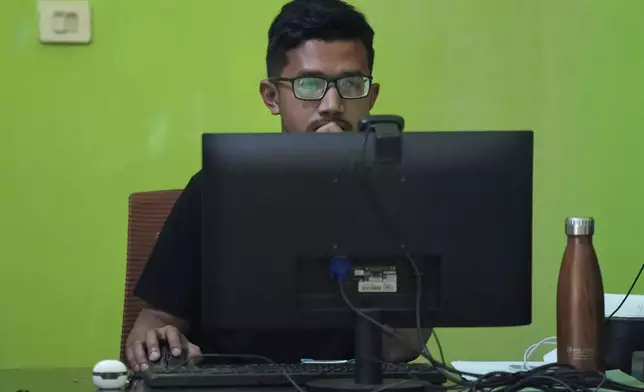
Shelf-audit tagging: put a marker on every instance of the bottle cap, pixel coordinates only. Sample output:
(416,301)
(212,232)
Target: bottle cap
(580,226)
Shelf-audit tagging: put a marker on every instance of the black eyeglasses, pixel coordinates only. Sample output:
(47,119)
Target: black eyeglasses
(313,88)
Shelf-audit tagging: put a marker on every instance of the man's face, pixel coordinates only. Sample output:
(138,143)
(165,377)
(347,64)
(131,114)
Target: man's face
(338,109)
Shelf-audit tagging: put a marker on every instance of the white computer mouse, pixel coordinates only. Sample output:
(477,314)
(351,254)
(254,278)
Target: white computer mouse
(110,374)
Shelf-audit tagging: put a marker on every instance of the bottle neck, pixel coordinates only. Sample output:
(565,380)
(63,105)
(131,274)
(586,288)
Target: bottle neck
(580,240)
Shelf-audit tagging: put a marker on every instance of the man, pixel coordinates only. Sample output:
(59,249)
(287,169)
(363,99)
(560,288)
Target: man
(319,63)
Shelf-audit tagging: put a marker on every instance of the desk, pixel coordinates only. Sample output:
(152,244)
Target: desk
(79,380)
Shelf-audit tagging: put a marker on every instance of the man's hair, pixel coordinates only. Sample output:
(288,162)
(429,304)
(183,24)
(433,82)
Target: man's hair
(325,20)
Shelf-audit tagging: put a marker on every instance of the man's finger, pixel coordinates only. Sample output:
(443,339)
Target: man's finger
(140,356)
(330,127)
(131,360)
(194,352)
(152,343)
(174,340)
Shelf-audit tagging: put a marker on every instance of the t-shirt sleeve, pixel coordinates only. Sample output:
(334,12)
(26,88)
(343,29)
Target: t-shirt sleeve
(170,280)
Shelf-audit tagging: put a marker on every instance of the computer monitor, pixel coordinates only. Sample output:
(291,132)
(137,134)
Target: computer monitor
(285,214)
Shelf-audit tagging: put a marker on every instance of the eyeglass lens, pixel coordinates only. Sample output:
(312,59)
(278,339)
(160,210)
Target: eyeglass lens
(350,87)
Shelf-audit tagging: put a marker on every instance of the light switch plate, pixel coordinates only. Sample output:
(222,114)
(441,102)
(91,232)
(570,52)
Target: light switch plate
(67,22)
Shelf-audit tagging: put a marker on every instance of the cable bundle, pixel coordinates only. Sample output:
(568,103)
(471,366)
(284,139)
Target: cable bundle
(550,377)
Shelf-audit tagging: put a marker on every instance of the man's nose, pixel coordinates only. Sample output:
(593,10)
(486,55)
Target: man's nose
(332,102)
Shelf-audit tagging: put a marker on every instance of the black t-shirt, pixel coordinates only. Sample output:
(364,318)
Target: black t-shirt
(170,282)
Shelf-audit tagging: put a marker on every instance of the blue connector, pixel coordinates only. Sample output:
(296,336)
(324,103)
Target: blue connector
(340,267)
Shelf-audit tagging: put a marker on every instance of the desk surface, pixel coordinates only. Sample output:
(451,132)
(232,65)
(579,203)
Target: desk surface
(79,380)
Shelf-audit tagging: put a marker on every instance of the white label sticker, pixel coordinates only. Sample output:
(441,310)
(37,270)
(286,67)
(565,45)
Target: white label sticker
(376,279)
(377,287)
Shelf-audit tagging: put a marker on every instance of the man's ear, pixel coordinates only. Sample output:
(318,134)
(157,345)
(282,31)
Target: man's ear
(373,94)
(269,94)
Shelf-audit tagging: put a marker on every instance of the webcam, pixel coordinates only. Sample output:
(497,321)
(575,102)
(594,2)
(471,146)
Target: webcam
(388,130)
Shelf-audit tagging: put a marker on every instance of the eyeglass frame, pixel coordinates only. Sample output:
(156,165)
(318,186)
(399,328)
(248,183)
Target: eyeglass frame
(329,82)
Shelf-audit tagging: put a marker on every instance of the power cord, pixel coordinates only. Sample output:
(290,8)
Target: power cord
(549,377)
(551,340)
(383,327)
(440,347)
(637,277)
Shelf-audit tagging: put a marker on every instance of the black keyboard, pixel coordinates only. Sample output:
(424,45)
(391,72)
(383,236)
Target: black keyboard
(190,375)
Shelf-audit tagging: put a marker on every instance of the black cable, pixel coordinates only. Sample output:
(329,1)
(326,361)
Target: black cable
(627,293)
(440,347)
(446,371)
(384,328)
(370,196)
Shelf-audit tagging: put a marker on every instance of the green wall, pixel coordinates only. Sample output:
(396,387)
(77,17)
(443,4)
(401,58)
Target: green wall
(83,127)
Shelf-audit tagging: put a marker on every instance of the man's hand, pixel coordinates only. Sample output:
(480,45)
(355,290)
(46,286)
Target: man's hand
(152,329)
(330,127)
(393,350)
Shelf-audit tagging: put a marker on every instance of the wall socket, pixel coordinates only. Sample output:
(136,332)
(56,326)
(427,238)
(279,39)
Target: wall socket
(65,22)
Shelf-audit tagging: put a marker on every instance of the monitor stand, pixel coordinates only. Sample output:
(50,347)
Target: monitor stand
(368,364)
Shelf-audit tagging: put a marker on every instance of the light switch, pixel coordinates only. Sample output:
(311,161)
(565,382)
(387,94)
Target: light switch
(65,21)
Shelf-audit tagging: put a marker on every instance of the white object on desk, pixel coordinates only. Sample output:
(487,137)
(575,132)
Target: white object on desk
(633,307)
(551,340)
(109,375)
(481,368)
(551,357)
(308,361)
